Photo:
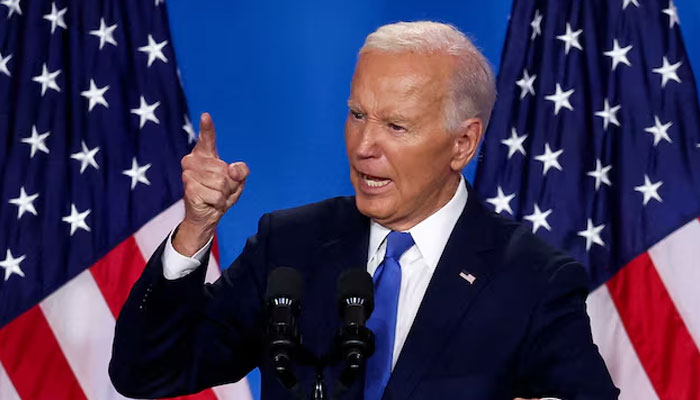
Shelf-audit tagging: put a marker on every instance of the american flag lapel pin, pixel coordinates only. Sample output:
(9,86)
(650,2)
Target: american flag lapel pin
(467,277)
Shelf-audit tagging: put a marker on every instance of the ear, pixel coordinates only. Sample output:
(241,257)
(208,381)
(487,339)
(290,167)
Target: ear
(466,142)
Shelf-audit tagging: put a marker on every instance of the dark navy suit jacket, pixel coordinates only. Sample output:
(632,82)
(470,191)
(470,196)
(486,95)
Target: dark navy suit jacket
(520,329)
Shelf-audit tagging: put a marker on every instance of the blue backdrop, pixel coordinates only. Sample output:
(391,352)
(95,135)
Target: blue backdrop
(275,75)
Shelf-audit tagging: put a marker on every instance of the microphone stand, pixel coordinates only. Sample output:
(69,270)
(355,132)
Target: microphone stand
(354,342)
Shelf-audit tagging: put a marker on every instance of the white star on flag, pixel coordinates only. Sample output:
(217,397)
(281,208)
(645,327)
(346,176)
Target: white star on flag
(660,131)
(86,157)
(618,54)
(47,79)
(549,159)
(672,13)
(560,99)
(535,24)
(592,234)
(3,64)
(11,265)
(37,141)
(628,2)
(189,129)
(649,190)
(95,95)
(570,38)
(154,50)
(539,219)
(56,17)
(502,202)
(668,72)
(137,173)
(600,174)
(514,143)
(105,33)
(77,219)
(526,84)
(146,112)
(24,202)
(13,6)
(609,114)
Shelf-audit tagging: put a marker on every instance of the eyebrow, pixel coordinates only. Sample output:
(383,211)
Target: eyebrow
(393,116)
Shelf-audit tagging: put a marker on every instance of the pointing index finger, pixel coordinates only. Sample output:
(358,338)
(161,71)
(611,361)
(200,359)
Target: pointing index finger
(206,145)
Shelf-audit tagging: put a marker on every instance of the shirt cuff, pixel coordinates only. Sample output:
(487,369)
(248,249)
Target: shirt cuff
(176,265)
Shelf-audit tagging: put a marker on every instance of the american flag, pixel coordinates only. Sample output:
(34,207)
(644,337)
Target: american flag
(595,144)
(93,123)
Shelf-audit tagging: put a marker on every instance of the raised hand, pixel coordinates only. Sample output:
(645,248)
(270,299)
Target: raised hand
(211,187)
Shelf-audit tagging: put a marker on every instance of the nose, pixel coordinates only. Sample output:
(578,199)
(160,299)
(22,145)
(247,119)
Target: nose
(367,146)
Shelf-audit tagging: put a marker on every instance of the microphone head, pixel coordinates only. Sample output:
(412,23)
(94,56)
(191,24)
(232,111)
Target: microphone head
(284,282)
(353,285)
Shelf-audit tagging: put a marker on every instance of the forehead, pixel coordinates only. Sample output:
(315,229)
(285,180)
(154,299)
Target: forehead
(401,75)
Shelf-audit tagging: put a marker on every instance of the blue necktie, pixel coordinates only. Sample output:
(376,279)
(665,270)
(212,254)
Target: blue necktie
(387,282)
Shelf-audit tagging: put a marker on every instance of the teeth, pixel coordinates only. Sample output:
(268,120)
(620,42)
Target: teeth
(375,182)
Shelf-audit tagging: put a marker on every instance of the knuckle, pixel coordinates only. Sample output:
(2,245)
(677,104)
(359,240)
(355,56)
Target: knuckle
(187,177)
(185,161)
(189,192)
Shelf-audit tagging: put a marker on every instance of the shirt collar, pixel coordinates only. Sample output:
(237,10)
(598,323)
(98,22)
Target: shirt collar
(431,234)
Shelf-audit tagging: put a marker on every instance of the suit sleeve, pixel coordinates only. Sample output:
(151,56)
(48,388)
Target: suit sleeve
(181,336)
(560,358)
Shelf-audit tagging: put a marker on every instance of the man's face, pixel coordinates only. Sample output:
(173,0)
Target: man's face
(402,160)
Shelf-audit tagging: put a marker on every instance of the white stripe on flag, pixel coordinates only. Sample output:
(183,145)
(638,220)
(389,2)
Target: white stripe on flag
(234,391)
(152,234)
(677,260)
(84,328)
(213,271)
(7,389)
(615,347)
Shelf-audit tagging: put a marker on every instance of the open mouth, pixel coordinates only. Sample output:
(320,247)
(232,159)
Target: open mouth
(373,181)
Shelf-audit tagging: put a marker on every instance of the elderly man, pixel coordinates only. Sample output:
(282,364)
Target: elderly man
(469,305)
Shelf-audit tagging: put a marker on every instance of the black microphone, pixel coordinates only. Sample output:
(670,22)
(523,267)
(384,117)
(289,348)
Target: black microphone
(355,305)
(355,297)
(284,287)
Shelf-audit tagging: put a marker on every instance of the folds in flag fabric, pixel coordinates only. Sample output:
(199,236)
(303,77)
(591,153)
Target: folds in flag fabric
(93,123)
(595,144)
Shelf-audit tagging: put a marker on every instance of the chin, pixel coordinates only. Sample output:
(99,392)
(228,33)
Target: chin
(375,209)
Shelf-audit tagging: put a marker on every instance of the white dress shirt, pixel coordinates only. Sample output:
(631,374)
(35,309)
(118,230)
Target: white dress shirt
(176,265)
(417,264)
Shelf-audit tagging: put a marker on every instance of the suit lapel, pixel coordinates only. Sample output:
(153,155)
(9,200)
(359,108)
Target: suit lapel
(447,297)
(345,250)
(336,255)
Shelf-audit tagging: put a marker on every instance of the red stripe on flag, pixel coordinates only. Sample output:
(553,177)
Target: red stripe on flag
(34,361)
(656,330)
(215,250)
(116,273)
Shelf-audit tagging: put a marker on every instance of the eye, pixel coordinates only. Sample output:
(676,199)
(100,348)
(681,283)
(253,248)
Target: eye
(357,115)
(396,128)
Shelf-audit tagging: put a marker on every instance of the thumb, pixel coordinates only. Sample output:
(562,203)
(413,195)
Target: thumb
(238,171)
(206,145)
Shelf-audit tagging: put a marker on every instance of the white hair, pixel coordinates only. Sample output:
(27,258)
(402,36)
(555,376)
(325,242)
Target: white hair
(473,90)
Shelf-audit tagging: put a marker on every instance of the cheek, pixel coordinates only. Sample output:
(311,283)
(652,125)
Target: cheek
(419,170)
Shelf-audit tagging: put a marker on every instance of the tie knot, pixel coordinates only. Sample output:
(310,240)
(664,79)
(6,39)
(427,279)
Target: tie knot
(397,243)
